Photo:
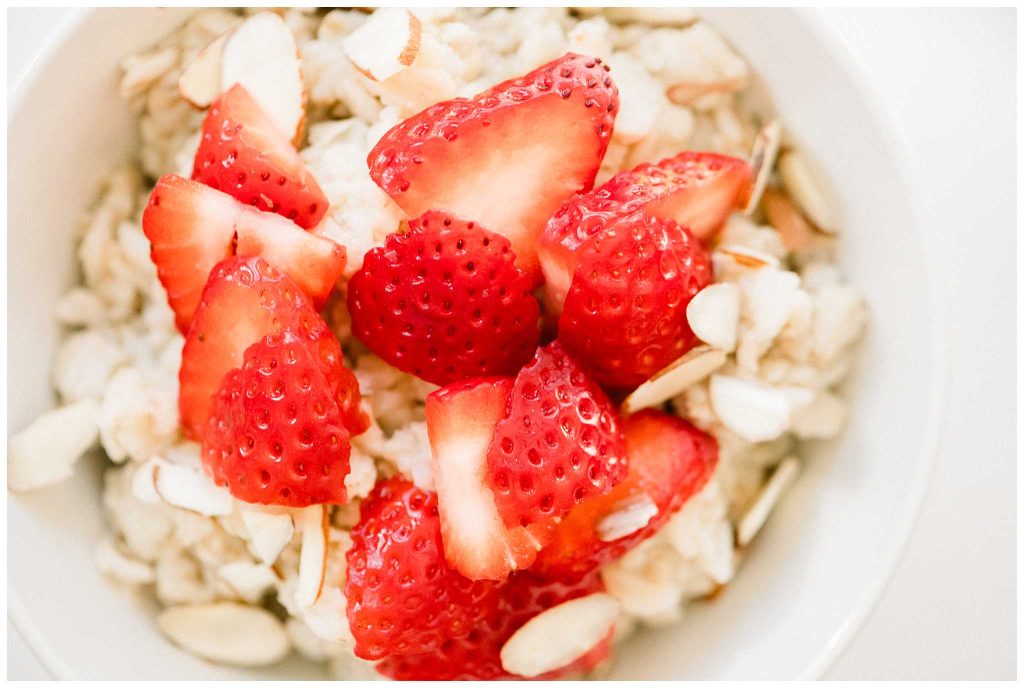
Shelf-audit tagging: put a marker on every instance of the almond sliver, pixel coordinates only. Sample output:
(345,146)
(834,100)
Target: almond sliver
(315,525)
(692,367)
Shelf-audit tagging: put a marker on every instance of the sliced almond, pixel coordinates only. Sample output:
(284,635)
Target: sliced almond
(754,519)
(747,257)
(315,525)
(248,579)
(190,489)
(803,184)
(629,516)
(142,485)
(714,314)
(269,532)
(684,93)
(385,44)
(793,228)
(122,567)
(227,632)
(46,451)
(762,161)
(753,410)
(262,56)
(692,367)
(199,83)
(559,636)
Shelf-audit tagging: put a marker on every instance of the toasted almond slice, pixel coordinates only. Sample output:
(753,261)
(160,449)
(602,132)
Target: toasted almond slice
(748,257)
(689,369)
(199,83)
(269,532)
(386,44)
(629,516)
(315,524)
(126,569)
(793,228)
(559,636)
(714,314)
(227,632)
(801,180)
(753,520)
(190,489)
(753,410)
(762,161)
(262,56)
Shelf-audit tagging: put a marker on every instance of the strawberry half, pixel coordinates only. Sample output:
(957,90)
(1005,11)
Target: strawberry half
(245,300)
(461,419)
(445,301)
(558,443)
(402,596)
(508,157)
(477,656)
(275,433)
(625,314)
(669,461)
(697,190)
(243,154)
(192,227)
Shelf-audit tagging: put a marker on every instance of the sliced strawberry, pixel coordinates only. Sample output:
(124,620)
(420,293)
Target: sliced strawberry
(625,315)
(509,156)
(557,444)
(669,462)
(245,300)
(478,655)
(275,433)
(445,301)
(697,190)
(460,424)
(244,154)
(192,227)
(402,596)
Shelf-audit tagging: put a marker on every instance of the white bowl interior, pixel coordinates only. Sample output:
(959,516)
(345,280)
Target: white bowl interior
(810,577)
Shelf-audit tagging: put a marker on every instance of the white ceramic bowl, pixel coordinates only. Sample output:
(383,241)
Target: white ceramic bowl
(821,561)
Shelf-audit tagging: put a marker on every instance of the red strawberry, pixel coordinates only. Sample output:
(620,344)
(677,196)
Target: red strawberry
(625,315)
(558,443)
(245,300)
(275,433)
(242,153)
(509,156)
(478,655)
(445,302)
(697,190)
(669,462)
(460,424)
(192,227)
(402,596)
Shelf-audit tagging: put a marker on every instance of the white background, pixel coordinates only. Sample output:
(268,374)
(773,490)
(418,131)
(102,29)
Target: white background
(950,77)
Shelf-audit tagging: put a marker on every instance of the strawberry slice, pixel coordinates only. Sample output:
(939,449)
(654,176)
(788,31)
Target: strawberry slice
(245,300)
(558,443)
(461,419)
(276,434)
(477,656)
(192,227)
(508,157)
(244,154)
(669,462)
(402,596)
(625,314)
(445,302)
(697,190)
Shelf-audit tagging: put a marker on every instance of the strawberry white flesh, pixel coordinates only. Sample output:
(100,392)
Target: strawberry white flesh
(460,424)
(508,157)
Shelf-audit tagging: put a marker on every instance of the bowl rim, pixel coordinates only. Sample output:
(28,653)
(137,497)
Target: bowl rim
(881,115)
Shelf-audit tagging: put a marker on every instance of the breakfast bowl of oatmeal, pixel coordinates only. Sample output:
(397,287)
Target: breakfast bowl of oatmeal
(458,344)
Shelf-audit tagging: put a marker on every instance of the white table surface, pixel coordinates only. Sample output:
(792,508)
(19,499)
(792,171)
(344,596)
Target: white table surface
(950,609)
